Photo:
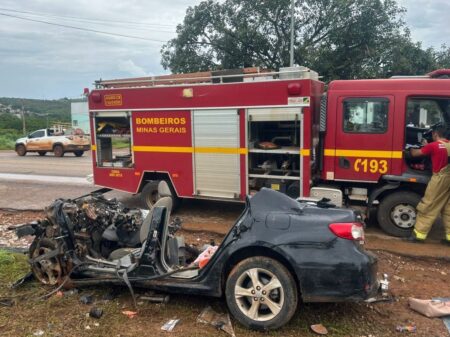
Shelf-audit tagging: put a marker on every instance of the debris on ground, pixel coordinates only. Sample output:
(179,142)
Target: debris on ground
(156,298)
(28,277)
(319,329)
(406,328)
(170,325)
(109,296)
(130,314)
(384,284)
(437,307)
(6,302)
(71,292)
(379,299)
(446,321)
(96,312)
(38,333)
(220,321)
(87,299)
(398,278)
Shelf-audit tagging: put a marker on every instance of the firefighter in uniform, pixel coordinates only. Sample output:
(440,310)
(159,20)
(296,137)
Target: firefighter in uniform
(437,194)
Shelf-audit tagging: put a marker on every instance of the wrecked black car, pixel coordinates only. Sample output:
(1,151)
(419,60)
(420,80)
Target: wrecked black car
(279,251)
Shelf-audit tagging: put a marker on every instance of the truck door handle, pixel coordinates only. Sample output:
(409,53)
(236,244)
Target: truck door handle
(344,163)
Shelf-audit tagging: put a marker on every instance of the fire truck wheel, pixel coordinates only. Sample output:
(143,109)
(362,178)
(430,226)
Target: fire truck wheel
(149,194)
(78,153)
(21,150)
(58,151)
(397,213)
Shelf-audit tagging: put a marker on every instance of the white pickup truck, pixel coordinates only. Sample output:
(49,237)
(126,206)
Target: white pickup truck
(46,140)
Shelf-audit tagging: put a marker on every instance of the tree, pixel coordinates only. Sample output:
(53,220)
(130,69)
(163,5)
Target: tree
(337,38)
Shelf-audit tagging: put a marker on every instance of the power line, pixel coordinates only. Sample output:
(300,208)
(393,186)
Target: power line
(86,19)
(93,22)
(83,29)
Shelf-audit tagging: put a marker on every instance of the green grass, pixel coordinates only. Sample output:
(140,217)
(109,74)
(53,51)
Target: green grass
(12,266)
(8,139)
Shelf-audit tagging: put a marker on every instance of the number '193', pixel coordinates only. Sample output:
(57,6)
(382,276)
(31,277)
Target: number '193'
(372,166)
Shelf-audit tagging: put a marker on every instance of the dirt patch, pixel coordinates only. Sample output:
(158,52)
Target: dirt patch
(8,238)
(66,316)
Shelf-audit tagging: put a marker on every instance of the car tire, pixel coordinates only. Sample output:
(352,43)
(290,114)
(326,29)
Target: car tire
(21,150)
(249,307)
(42,153)
(397,213)
(78,153)
(58,151)
(50,273)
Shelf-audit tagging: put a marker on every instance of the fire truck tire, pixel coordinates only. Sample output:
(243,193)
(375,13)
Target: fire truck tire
(21,150)
(149,194)
(397,213)
(58,151)
(78,153)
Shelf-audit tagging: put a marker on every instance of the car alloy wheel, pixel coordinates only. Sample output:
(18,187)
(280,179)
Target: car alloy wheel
(259,294)
(49,270)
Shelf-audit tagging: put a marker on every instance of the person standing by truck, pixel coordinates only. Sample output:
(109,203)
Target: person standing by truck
(437,194)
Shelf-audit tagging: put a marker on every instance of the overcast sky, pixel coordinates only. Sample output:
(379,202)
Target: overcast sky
(38,60)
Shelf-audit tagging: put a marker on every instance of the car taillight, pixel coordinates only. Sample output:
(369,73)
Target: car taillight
(348,230)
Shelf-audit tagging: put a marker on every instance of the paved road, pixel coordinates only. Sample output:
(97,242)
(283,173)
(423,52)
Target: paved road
(33,182)
(49,165)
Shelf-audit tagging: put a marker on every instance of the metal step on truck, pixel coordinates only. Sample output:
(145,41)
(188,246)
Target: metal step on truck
(225,134)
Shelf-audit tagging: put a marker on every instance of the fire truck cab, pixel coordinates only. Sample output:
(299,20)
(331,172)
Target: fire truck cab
(223,135)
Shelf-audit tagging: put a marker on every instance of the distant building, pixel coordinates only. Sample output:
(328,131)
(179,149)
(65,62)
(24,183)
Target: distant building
(80,116)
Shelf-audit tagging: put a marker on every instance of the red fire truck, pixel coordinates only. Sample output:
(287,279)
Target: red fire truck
(223,135)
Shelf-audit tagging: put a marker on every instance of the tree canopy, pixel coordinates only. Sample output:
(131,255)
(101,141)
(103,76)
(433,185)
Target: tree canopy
(337,38)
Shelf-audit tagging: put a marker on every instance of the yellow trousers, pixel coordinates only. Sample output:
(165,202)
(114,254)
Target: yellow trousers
(436,200)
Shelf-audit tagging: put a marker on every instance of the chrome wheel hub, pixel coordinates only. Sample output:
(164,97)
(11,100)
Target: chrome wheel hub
(404,216)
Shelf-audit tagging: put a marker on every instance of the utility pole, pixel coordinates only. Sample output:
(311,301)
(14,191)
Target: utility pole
(23,122)
(291,62)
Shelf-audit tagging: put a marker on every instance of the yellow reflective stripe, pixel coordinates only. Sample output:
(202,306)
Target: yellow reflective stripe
(363,153)
(329,152)
(305,152)
(420,235)
(224,150)
(221,150)
(172,149)
(447,237)
(93,147)
(186,149)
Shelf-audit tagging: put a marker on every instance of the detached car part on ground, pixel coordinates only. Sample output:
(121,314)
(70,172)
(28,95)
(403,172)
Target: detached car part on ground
(46,140)
(279,251)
